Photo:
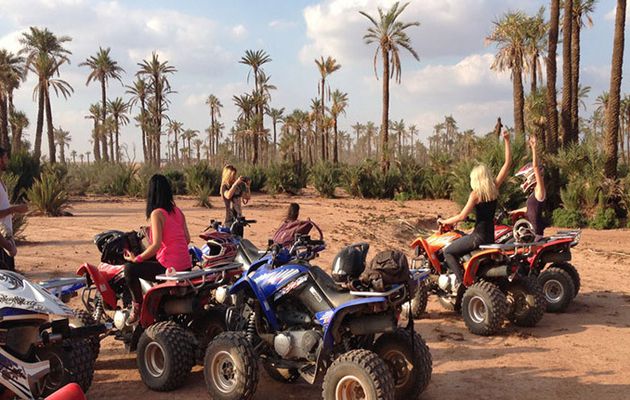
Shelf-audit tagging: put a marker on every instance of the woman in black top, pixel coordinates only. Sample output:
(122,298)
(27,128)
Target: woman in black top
(532,173)
(483,199)
(235,192)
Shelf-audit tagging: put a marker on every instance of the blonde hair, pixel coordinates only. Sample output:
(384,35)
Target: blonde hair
(228,176)
(482,183)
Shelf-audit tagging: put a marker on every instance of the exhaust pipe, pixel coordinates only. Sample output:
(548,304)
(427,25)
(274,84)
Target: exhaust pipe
(179,306)
(366,325)
(497,272)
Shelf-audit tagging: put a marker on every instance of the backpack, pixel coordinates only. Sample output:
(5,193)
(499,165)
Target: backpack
(387,268)
(285,235)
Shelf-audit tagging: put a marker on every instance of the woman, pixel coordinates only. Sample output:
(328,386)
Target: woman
(169,239)
(534,182)
(483,199)
(234,193)
(293,213)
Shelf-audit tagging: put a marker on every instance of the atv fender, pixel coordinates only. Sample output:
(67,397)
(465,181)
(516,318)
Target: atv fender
(108,295)
(472,266)
(244,283)
(431,256)
(151,302)
(555,251)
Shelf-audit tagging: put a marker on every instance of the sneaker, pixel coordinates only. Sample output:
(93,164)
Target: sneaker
(134,316)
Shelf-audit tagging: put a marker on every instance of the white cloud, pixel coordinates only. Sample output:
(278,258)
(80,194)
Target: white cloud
(239,31)
(281,24)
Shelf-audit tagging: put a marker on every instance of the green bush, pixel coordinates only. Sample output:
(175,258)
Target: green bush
(177,180)
(10,181)
(202,181)
(28,168)
(117,180)
(439,186)
(566,218)
(258,175)
(367,181)
(48,195)
(285,177)
(412,179)
(605,218)
(325,178)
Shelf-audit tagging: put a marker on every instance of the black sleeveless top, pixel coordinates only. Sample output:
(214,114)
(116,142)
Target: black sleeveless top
(534,214)
(484,226)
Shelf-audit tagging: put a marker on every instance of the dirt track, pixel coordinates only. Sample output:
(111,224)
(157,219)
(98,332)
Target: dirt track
(582,354)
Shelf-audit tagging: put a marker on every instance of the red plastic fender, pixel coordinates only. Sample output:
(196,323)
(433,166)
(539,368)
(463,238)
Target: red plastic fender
(431,256)
(471,267)
(548,247)
(152,300)
(108,295)
(71,391)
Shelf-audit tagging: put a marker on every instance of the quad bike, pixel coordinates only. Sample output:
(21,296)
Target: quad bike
(40,352)
(179,317)
(496,282)
(551,264)
(300,322)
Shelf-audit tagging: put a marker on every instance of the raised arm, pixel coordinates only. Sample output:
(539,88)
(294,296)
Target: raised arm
(507,163)
(540,192)
(228,194)
(470,204)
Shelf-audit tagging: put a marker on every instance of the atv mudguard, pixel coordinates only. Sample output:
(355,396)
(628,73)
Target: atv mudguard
(472,266)
(108,295)
(430,256)
(558,250)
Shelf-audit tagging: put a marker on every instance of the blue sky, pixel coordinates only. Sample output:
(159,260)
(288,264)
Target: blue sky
(205,39)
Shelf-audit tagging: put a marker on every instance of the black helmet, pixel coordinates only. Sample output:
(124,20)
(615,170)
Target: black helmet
(111,244)
(349,263)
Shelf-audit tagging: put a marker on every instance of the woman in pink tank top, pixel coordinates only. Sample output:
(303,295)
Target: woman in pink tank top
(169,242)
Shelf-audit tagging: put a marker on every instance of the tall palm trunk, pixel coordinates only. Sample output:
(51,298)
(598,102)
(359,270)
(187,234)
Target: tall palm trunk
(335,149)
(534,84)
(322,118)
(4,123)
(62,153)
(117,143)
(103,133)
(575,76)
(37,150)
(385,116)
(565,112)
(552,106)
(612,110)
(96,149)
(50,131)
(519,101)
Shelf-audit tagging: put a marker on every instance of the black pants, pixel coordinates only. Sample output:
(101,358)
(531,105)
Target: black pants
(146,270)
(459,248)
(6,261)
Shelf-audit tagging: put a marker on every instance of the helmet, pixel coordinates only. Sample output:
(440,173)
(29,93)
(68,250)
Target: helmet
(219,249)
(349,263)
(527,172)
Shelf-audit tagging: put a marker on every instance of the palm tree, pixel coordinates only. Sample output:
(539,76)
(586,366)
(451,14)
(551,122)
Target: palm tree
(358,129)
(510,35)
(81,157)
(536,41)
(103,68)
(215,112)
(338,107)
(19,122)
(139,92)
(256,59)
(73,154)
(62,139)
(175,128)
(38,45)
(95,115)
(412,134)
(118,109)
(11,74)
(399,128)
(325,67)
(187,136)
(552,104)
(567,95)
(612,110)
(198,143)
(87,154)
(389,35)
(156,73)
(276,115)
(581,16)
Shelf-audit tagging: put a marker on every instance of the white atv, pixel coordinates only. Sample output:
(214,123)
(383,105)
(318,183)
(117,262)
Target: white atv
(40,351)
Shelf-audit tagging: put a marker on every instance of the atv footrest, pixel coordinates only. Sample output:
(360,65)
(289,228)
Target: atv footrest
(189,275)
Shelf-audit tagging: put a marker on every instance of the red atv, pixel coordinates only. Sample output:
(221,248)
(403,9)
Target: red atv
(495,285)
(559,279)
(179,317)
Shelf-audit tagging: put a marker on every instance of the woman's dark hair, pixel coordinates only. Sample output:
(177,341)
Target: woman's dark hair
(160,194)
(294,212)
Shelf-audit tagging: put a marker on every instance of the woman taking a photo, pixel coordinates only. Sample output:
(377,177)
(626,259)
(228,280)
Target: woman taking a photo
(169,238)
(483,200)
(235,192)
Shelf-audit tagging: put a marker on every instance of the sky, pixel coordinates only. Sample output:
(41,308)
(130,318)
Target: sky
(204,41)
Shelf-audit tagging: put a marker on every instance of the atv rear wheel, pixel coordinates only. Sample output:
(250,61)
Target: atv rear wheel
(572,271)
(282,375)
(526,301)
(558,288)
(357,375)
(419,301)
(484,308)
(70,362)
(411,373)
(165,356)
(84,318)
(230,367)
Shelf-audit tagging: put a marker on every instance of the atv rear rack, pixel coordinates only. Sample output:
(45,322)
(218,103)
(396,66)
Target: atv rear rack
(393,290)
(188,276)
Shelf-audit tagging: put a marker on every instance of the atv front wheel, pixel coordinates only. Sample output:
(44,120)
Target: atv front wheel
(84,318)
(282,375)
(358,374)
(165,356)
(70,362)
(572,271)
(558,288)
(419,301)
(411,373)
(526,301)
(230,367)
(484,308)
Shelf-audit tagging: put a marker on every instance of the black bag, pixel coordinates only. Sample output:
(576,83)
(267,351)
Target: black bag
(387,268)
(112,245)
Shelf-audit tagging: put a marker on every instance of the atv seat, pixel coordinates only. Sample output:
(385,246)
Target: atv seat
(335,294)
(251,252)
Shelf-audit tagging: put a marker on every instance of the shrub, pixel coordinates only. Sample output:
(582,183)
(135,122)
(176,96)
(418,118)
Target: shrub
(118,179)
(48,195)
(177,180)
(10,181)
(412,179)
(202,181)
(19,224)
(566,218)
(285,177)
(325,178)
(605,218)
(28,168)
(258,176)
(368,181)
(438,186)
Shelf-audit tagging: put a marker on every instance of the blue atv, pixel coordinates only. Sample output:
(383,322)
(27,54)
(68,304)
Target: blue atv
(300,322)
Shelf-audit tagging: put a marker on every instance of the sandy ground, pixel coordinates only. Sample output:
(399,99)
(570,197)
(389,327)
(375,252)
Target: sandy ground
(582,354)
